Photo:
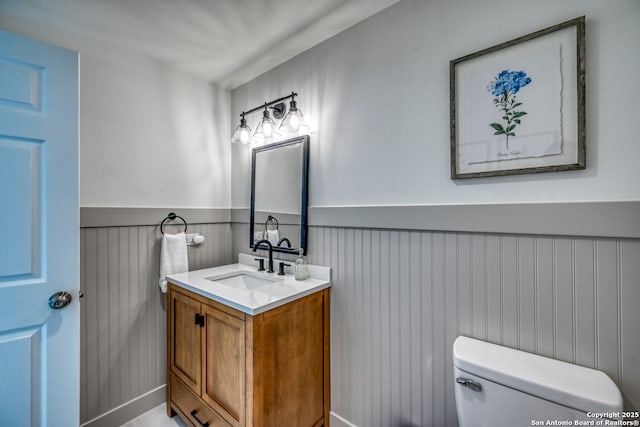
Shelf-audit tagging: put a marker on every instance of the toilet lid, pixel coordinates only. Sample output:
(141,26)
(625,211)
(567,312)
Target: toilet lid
(567,384)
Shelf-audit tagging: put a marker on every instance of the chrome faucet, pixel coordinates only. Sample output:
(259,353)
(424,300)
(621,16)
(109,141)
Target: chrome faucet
(255,248)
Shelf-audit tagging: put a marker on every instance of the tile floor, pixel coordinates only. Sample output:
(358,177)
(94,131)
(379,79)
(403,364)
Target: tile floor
(157,417)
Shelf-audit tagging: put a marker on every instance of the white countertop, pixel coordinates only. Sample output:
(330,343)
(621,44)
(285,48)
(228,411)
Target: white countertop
(253,301)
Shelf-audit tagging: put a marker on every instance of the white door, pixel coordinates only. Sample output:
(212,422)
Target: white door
(39,249)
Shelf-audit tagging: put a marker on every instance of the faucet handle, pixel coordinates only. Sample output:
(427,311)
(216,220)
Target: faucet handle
(260,263)
(281,268)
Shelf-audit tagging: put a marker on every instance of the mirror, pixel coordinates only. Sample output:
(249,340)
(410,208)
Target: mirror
(279,175)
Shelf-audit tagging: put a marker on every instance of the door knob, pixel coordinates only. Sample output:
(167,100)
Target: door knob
(60,300)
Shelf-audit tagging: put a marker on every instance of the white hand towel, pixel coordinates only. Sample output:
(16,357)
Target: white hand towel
(273,236)
(173,257)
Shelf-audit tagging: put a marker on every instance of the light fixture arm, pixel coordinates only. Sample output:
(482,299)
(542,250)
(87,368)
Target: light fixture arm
(270,103)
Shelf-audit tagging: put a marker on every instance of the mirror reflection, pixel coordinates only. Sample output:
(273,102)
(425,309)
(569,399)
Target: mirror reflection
(279,195)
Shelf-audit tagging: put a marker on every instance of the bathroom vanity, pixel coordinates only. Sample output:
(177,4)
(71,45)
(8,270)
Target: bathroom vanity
(247,348)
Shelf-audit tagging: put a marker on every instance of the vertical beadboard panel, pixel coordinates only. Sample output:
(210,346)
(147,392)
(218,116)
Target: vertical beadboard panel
(379,303)
(564,293)
(124,284)
(493,266)
(426,330)
(451,323)
(464,273)
(630,321)
(351,334)
(414,368)
(399,299)
(607,308)
(584,302)
(112,340)
(526,294)
(438,348)
(394,312)
(368,304)
(545,297)
(479,286)
(88,327)
(386,309)
(510,288)
(403,326)
(100,290)
(123,350)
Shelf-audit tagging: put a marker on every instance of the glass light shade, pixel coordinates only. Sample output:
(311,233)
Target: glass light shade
(294,122)
(242,133)
(266,129)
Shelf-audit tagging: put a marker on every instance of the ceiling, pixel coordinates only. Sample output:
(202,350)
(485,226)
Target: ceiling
(228,42)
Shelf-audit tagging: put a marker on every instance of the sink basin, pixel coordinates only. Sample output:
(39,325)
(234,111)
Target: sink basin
(244,280)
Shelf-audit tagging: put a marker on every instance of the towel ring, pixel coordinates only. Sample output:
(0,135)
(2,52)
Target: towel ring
(271,220)
(172,216)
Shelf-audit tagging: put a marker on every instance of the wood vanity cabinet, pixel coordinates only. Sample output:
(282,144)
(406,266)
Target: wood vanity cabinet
(230,369)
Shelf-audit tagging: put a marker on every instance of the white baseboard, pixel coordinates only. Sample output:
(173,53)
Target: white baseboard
(337,421)
(130,410)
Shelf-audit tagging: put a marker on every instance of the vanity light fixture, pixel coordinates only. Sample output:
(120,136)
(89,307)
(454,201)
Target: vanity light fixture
(266,130)
(242,133)
(293,122)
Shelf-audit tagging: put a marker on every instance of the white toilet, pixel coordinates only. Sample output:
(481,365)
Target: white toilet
(499,386)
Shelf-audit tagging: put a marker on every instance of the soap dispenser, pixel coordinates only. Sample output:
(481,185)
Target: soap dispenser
(302,268)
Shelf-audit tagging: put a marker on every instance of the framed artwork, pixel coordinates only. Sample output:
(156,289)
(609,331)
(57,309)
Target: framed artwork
(519,107)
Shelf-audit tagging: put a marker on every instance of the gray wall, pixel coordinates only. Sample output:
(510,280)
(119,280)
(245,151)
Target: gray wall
(401,296)
(377,99)
(123,344)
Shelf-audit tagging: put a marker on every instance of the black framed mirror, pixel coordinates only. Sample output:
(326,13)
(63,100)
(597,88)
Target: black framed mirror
(279,195)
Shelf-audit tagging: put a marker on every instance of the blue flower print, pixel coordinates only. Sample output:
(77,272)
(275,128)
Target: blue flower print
(504,88)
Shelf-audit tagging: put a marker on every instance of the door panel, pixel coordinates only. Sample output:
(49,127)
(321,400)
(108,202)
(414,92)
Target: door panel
(39,229)
(21,245)
(20,353)
(186,340)
(224,368)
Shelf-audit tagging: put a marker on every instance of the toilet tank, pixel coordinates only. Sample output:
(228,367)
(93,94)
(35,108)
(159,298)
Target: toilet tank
(499,386)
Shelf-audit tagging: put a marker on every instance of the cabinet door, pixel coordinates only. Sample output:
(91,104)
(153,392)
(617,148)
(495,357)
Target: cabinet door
(185,339)
(224,365)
